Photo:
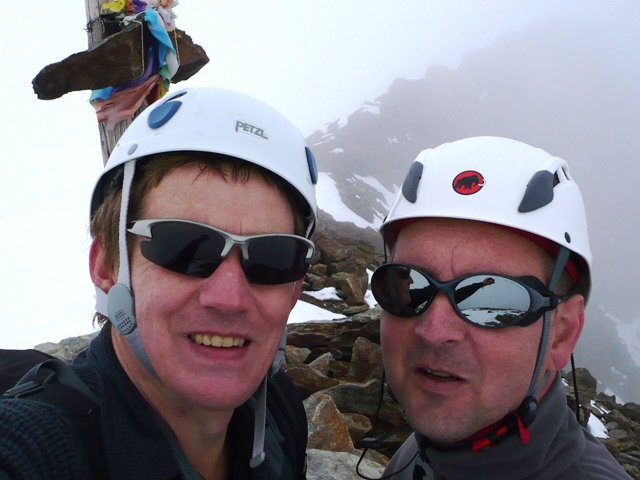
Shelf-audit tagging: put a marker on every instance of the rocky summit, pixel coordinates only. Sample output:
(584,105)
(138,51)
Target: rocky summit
(337,369)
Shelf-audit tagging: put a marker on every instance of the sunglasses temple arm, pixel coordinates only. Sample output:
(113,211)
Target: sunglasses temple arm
(534,387)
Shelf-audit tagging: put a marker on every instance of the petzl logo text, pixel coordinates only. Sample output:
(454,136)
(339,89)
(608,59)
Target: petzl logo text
(245,127)
(468,183)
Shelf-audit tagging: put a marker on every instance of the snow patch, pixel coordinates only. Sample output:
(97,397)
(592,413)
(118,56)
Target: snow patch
(596,427)
(328,293)
(388,195)
(392,140)
(336,151)
(599,408)
(370,299)
(329,200)
(305,312)
(373,109)
(324,139)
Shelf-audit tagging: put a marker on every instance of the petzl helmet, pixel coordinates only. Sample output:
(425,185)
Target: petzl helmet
(214,121)
(500,181)
(218,121)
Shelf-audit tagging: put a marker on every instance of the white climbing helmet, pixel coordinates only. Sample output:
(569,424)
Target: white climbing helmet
(204,120)
(499,181)
(218,121)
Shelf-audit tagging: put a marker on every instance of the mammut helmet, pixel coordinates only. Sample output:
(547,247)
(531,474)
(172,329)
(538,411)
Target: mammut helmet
(218,121)
(500,181)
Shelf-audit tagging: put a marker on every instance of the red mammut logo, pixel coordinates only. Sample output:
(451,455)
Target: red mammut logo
(468,183)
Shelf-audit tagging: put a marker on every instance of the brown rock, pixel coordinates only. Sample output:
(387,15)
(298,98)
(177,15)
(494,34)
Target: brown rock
(351,291)
(322,282)
(617,434)
(331,250)
(366,361)
(339,369)
(319,270)
(618,419)
(358,425)
(312,300)
(306,337)
(321,363)
(354,310)
(631,410)
(295,355)
(354,267)
(308,380)
(327,428)
(363,398)
(375,456)
(319,351)
(587,385)
(345,339)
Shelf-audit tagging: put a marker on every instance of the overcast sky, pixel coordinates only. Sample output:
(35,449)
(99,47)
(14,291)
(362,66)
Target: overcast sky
(314,61)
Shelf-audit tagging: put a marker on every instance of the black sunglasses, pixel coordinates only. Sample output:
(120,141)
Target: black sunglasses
(487,300)
(197,250)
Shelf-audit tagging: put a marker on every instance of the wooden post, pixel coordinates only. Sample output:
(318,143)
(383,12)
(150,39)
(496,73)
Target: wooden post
(96,32)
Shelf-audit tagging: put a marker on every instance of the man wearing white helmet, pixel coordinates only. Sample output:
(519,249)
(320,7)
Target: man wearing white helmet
(483,303)
(201,224)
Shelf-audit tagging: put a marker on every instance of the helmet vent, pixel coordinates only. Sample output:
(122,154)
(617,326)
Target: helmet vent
(411,181)
(162,114)
(132,149)
(567,237)
(539,191)
(313,167)
(178,95)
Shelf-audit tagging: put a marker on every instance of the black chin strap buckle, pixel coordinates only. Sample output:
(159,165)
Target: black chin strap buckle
(528,410)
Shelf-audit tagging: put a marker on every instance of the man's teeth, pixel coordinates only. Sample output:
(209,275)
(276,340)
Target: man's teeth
(216,341)
(437,374)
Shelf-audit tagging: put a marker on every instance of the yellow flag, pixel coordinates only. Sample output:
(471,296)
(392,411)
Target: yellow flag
(115,6)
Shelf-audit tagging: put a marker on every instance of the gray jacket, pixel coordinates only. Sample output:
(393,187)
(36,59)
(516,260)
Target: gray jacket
(559,449)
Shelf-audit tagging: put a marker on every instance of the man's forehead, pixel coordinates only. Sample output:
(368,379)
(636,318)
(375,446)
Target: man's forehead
(420,239)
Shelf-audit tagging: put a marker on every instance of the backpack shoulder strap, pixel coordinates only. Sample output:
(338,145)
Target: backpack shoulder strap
(285,405)
(15,363)
(55,383)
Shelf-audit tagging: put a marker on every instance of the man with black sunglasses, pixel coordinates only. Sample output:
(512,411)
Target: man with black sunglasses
(482,305)
(201,223)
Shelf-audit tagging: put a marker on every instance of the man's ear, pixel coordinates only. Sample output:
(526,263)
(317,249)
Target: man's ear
(101,274)
(297,287)
(566,328)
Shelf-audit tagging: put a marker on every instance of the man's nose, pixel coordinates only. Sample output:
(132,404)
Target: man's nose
(440,324)
(227,289)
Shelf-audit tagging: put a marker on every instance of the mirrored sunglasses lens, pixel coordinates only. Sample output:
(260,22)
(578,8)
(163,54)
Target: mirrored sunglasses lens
(274,260)
(184,248)
(401,291)
(492,301)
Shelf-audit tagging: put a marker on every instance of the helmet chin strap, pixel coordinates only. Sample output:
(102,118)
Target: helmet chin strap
(529,405)
(260,419)
(120,306)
